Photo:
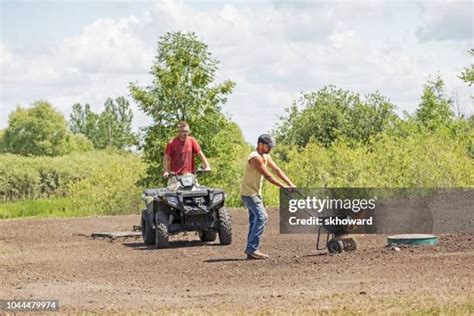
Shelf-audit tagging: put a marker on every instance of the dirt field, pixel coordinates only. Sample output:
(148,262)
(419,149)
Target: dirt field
(50,259)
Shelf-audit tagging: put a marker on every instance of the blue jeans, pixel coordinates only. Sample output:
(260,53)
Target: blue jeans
(258,218)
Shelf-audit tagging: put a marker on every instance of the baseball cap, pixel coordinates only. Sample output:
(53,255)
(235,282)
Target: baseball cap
(267,140)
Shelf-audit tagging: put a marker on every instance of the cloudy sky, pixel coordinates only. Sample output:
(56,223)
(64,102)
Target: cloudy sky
(85,51)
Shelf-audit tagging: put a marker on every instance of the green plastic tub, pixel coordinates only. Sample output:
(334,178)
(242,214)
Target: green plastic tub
(412,239)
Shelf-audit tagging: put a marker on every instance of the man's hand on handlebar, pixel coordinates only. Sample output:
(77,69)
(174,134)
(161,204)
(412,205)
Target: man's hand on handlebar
(204,169)
(290,189)
(169,174)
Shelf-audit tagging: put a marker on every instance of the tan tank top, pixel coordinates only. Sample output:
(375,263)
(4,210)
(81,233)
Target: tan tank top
(253,179)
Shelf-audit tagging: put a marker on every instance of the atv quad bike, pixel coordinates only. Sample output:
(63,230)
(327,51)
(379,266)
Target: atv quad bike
(190,208)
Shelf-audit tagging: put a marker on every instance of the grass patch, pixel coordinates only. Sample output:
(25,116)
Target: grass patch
(96,183)
(55,207)
(58,207)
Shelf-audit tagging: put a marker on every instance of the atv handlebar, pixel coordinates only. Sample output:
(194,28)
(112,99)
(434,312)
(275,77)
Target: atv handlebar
(201,171)
(198,171)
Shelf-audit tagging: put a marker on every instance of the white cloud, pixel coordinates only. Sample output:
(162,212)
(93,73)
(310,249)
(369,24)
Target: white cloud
(110,46)
(5,55)
(446,20)
(88,67)
(272,52)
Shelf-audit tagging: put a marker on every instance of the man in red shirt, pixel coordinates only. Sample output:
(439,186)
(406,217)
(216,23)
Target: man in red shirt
(180,153)
(178,158)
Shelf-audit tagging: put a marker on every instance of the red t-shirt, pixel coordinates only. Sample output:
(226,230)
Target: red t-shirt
(182,154)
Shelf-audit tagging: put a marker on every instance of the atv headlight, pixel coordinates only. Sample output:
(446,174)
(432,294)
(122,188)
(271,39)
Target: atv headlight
(218,198)
(187,180)
(173,200)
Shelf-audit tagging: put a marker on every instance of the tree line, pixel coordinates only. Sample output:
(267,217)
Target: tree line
(333,114)
(184,88)
(41,130)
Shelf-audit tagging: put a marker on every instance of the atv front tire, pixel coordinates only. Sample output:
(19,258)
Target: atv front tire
(225,226)
(162,236)
(207,235)
(148,233)
(162,232)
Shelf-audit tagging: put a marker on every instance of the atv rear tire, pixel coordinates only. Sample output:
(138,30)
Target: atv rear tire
(207,235)
(148,233)
(225,226)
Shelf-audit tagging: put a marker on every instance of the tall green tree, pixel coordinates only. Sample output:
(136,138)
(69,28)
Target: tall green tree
(467,75)
(115,124)
(435,109)
(39,130)
(77,119)
(111,128)
(2,141)
(331,114)
(183,89)
(83,121)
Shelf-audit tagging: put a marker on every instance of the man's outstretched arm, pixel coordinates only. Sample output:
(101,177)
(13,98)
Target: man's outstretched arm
(259,164)
(204,160)
(280,172)
(166,165)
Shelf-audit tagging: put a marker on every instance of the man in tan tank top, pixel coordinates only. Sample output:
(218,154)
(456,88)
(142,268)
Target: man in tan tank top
(256,169)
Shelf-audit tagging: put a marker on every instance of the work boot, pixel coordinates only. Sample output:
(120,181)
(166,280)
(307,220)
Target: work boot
(256,255)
